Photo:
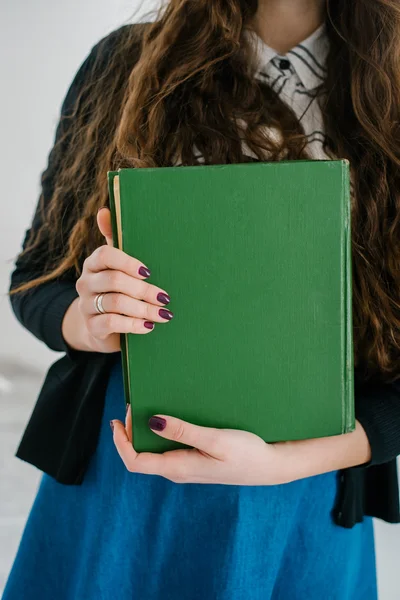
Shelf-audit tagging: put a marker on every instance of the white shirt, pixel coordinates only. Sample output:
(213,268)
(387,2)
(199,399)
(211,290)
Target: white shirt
(296,77)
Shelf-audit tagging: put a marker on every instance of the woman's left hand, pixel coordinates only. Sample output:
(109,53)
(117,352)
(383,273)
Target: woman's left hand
(226,456)
(234,457)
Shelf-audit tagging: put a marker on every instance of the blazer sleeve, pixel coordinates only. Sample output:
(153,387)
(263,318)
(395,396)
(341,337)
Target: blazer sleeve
(377,408)
(41,310)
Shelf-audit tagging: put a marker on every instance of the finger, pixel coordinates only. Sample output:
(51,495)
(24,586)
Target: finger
(105,257)
(117,281)
(101,326)
(128,422)
(104,224)
(126,305)
(175,465)
(144,462)
(206,439)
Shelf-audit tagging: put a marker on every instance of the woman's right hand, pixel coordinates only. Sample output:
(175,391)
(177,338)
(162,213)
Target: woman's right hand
(131,304)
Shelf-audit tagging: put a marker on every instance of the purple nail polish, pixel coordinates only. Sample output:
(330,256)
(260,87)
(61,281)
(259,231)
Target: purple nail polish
(149,324)
(165,314)
(112,426)
(144,271)
(163,298)
(157,423)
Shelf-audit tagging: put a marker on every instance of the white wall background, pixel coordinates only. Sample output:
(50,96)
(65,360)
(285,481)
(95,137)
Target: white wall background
(42,44)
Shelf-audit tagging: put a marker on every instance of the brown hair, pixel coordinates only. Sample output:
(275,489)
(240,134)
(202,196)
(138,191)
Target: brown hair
(187,79)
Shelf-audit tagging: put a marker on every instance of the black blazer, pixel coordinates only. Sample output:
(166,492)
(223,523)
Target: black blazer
(62,432)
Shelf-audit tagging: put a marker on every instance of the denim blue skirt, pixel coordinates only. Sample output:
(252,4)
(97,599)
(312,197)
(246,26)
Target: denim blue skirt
(143,537)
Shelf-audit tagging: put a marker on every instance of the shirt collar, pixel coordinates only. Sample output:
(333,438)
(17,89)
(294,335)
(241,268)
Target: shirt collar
(308,57)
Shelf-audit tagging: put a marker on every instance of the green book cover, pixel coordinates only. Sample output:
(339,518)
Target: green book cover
(257,260)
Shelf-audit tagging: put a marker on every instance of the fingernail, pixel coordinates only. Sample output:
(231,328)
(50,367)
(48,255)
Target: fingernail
(165,314)
(163,298)
(144,271)
(149,324)
(127,408)
(157,423)
(101,208)
(112,426)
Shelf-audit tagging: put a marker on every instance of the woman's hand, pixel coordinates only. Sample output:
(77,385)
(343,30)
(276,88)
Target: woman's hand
(131,304)
(225,456)
(234,457)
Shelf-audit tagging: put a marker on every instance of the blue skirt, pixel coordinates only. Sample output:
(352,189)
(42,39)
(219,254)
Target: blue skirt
(143,537)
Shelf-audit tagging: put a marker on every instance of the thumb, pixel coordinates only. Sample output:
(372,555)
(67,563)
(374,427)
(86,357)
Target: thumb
(206,439)
(104,224)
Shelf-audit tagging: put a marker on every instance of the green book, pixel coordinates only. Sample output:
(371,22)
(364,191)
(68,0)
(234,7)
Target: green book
(256,258)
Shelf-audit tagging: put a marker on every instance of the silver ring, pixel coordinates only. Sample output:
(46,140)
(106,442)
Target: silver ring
(98,304)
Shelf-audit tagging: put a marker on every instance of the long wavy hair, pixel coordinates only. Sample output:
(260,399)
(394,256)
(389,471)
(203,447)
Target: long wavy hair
(187,78)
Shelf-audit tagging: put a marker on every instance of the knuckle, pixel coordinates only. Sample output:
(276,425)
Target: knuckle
(115,279)
(101,253)
(178,432)
(126,261)
(144,290)
(109,322)
(80,285)
(117,303)
(136,326)
(148,311)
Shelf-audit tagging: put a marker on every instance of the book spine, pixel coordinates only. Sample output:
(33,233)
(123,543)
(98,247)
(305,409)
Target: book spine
(124,351)
(348,397)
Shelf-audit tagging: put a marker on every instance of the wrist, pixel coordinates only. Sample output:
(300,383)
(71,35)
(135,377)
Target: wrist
(74,330)
(306,458)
